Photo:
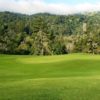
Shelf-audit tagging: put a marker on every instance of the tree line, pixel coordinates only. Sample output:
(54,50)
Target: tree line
(48,34)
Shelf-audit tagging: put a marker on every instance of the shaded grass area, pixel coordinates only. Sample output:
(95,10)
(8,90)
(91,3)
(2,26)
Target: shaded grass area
(65,77)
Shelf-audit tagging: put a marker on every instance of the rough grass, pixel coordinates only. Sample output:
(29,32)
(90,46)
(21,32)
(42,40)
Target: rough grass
(64,77)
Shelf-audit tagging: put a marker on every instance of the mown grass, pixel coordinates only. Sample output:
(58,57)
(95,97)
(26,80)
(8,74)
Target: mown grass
(64,77)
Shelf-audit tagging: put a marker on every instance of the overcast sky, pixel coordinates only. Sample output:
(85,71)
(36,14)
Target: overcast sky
(50,6)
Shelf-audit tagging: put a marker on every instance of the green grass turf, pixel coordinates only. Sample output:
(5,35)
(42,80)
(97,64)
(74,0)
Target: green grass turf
(63,77)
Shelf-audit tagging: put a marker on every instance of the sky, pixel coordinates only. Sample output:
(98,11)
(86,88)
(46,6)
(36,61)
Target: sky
(62,7)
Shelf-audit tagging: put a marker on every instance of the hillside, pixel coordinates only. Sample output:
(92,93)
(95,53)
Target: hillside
(46,34)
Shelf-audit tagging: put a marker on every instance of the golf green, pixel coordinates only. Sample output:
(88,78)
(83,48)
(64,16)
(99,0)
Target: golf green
(63,77)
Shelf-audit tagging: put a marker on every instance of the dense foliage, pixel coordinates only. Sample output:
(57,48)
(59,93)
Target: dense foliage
(47,34)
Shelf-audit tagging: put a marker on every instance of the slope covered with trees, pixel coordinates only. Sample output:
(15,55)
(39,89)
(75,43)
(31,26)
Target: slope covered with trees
(47,34)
